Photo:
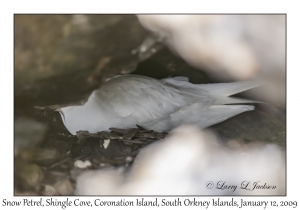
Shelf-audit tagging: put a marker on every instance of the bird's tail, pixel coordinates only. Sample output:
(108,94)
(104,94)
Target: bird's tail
(219,91)
(224,89)
(228,89)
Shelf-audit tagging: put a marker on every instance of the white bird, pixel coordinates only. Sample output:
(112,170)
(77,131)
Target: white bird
(161,105)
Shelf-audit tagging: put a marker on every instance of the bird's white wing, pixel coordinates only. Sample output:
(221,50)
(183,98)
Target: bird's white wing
(140,97)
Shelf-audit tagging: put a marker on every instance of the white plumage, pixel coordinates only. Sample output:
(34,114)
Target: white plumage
(160,105)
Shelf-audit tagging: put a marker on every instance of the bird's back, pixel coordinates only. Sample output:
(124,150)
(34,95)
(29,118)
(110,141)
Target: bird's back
(142,97)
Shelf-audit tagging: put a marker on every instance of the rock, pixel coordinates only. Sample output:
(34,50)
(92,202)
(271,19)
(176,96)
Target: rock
(49,190)
(60,59)
(45,156)
(28,176)
(192,162)
(255,126)
(82,164)
(64,187)
(229,47)
(28,133)
(75,172)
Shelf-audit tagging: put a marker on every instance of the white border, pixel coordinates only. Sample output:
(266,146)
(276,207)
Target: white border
(8,8)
